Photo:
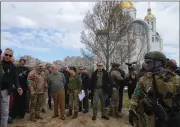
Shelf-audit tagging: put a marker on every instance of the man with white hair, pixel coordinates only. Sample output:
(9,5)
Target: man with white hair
(57,82)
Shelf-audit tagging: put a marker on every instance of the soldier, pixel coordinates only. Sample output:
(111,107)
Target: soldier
(116,78)
(144,114)
(75,87)
(37,86)
(46,75)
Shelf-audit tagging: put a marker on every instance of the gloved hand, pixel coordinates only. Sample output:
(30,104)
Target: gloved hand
(132,116)
(148,107)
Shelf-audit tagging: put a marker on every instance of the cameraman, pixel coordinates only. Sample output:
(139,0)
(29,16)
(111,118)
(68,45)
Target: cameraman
(116,79)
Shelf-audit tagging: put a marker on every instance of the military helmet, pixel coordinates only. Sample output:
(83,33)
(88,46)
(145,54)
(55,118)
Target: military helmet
(156,55)
(115,65)
(48,65)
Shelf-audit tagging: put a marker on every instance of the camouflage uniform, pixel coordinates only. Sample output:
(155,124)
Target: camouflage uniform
(115,77)
(75,87)
(46,74)
(144,84)
(73,99)
(36,85)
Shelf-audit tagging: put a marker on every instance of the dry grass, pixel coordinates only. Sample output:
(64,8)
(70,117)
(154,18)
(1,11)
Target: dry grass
(84,120)
(125,100)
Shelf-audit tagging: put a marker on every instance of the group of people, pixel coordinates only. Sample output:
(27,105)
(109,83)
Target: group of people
(28,88)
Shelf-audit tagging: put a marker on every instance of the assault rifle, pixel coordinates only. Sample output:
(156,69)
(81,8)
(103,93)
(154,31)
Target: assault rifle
(155,105)
(158,105)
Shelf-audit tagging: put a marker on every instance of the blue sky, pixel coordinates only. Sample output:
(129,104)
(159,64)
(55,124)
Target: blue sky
(51,31)
(38,43)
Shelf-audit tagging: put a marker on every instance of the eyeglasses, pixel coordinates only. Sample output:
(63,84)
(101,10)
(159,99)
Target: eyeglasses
(8,55)
(99,65)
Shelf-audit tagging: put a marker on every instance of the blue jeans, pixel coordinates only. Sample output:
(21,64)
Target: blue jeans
(4,108)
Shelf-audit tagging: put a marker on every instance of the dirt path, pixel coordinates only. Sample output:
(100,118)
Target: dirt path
(84,120)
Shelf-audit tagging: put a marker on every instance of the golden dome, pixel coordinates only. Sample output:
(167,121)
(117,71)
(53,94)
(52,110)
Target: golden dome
(126,4)
(149,15)
(149,9)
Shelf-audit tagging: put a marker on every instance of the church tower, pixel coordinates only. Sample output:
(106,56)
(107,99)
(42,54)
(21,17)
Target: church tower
(151,20)
(156,43)
(128,7)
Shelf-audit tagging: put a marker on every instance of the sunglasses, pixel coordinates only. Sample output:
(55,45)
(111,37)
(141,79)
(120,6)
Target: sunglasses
(148,61)
(99,65)
(8,55)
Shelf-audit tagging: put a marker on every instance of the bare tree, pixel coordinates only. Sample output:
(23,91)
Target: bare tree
(105,28)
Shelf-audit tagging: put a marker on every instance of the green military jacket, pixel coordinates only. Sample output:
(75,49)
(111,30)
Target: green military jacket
(75,83)
(145,83)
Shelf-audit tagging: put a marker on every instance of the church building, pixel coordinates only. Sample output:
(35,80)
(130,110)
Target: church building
(146,25)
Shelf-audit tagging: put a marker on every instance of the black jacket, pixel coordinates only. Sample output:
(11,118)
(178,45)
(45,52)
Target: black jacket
(106,82)
(23,72)
(10,77)
(131,83)
(85,81)
(66,75)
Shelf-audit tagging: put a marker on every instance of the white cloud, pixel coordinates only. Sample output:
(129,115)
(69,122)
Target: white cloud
(167,24)
(40,40)
(63,21)
(25,22)
(62,15)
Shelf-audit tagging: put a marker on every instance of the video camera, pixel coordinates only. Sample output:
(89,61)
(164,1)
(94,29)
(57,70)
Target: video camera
(131,66)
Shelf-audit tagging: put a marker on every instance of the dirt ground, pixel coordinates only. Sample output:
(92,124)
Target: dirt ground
(84,120)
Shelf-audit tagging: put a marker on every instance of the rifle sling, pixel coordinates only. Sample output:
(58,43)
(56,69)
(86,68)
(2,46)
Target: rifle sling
(156,91)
